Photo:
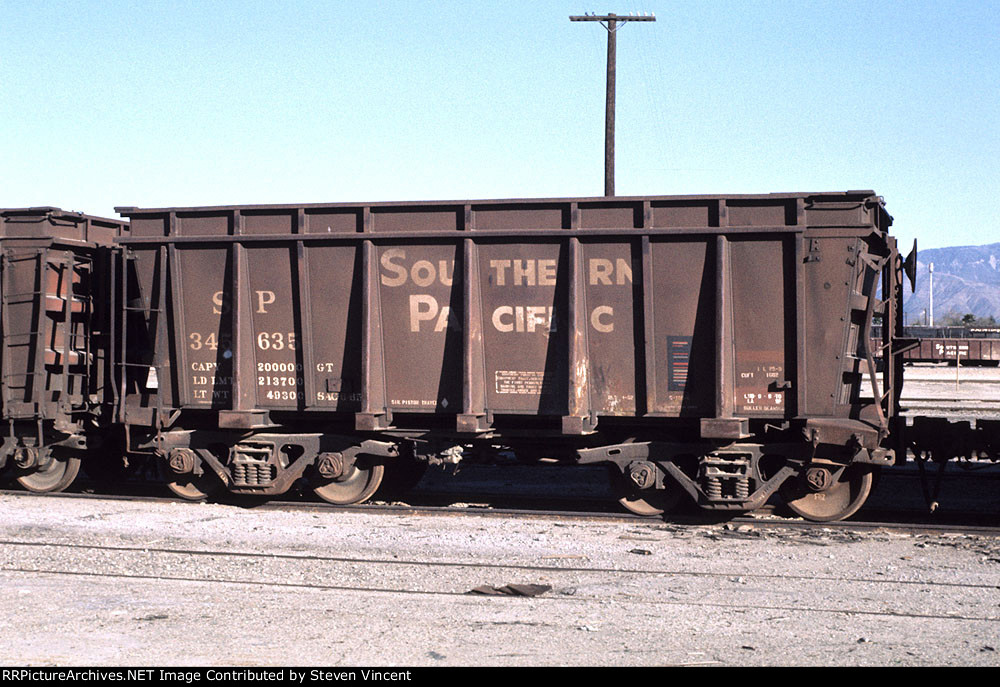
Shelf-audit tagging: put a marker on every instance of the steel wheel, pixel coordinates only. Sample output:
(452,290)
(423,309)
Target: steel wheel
(56,476)
(356,485)
(646,502)
(839,501)
(195,487)
(653,502)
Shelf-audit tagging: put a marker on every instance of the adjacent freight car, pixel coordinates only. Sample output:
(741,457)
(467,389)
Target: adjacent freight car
(54,342)
(954,345)
(983,352)
(713,347)
(977,346)
(951,332)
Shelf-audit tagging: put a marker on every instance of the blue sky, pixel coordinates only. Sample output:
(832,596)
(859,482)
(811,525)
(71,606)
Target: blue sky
(204,103)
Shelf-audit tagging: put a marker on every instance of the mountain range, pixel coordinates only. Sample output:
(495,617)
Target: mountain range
(966,280)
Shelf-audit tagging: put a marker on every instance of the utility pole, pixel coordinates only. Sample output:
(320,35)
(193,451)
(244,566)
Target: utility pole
(611,22)
(930,290)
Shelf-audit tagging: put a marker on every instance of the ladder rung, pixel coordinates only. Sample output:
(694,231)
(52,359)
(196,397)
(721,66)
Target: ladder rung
(58,304)
(53,356)
(23,294)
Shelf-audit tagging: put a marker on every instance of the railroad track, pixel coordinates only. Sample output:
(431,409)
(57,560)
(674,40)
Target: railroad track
(409,589)
(984,407)
(204,558)
(499,505)
(942,379)
(994,402)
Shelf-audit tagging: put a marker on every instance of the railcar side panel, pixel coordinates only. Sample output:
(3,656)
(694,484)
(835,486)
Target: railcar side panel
(613,326)
(762,289)
(420,294)
(274,328)
(203,318)
(702,322)
(525,322)
(831,365)
(332,293)
(682,367)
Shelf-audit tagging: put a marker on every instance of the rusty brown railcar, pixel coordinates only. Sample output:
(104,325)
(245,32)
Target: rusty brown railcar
(708,346)
(963,351)
(54,343)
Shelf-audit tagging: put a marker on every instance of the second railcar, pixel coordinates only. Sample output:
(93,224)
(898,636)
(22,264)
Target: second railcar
(964,351)
(54,342)
(708,346)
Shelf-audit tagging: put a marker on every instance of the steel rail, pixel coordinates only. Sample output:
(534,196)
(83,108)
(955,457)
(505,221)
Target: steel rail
(902,520)
(480,565)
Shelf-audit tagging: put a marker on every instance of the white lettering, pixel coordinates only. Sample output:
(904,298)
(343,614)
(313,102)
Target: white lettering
(422,273)
(422,307)
(624,268)
(398,270)
(221,305)
(524,272)
(602,270)
(500,324)
(500,266)
(529,318)
(446,318)
(446,278)
(595,318)
(264,298)
(535,316)
(547,272)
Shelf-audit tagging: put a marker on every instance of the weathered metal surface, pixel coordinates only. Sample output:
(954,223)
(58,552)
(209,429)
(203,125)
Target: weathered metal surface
(55,322)
(53,223)
(685,323)
(702,307)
